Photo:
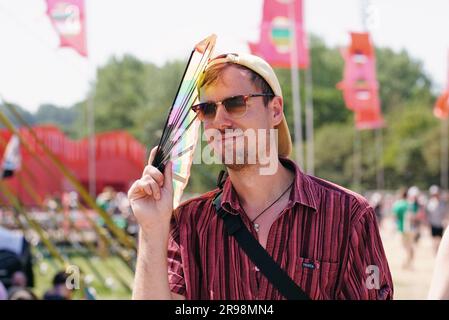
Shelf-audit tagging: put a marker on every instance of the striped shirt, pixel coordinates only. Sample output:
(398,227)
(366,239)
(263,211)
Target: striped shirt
(326,239)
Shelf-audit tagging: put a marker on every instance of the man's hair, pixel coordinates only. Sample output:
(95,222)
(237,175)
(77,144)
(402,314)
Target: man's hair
(214,73)
(60,278)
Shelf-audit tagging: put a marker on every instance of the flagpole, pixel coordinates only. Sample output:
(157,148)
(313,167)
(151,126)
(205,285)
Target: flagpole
(380,179)
(357,169)
(309,122)
(92,146)
(90,117)
(444,162)
(295,88)
(357,177)
(444,153)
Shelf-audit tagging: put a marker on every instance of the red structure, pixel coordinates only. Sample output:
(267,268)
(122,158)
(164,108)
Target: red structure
(120,160)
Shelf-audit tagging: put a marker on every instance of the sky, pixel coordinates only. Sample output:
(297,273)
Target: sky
(34,71)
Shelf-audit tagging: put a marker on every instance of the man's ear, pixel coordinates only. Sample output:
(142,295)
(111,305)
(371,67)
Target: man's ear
(277,110)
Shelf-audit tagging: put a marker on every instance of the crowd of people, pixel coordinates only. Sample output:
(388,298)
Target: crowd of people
(16,271)
(415,212)
(62,221)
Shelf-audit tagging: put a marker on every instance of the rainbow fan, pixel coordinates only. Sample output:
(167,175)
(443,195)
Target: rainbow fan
(181,129)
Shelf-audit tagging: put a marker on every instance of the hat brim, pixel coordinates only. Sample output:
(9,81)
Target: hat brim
(284,139)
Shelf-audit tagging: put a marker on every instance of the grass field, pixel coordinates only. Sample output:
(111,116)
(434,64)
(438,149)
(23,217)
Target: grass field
(98,274)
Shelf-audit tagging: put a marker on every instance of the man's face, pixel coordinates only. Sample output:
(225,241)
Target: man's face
(240,140)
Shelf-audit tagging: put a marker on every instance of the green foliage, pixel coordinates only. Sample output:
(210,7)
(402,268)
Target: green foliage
(27,116)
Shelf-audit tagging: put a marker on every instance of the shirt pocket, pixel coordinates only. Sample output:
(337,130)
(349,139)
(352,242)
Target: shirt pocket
(317,278)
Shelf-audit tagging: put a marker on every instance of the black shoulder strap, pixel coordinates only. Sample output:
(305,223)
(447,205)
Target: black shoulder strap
(272,271)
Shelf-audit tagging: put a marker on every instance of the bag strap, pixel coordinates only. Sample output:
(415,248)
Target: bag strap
(257,254)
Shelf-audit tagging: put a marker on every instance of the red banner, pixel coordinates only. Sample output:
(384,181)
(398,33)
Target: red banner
(359,85)
(275,35)
(441,108)
(119,158)
(68,19)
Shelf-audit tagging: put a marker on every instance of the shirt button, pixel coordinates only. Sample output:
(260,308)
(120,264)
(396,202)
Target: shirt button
(256,269)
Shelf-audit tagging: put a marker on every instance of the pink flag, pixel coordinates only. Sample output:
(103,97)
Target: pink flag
(368,118)
(275,35)
(359,84)
(68,19)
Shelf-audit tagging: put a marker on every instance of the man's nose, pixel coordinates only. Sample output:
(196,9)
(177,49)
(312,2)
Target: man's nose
(222,118)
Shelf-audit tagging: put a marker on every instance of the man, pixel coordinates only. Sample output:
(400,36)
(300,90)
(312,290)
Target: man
(324,236)
(436,211)
(59,291)
(403,214)
(16,261)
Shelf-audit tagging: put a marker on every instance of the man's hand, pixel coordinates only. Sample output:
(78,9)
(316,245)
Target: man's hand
(151,197)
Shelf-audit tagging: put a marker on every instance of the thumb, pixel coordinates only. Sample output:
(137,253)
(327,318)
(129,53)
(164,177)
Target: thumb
(168,176)
(152,155)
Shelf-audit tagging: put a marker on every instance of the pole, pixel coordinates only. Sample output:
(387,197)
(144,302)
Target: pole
(369,22)
(309,122)
(91,134)
(380,179)
(295,88)
(357,178)
(90,118)
(444,143)
(444,154)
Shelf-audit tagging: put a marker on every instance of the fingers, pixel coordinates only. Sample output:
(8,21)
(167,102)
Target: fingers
(152,155)
(168,174)
(154,173)
(156,191)
(152,180)
(139,190)
(144,187)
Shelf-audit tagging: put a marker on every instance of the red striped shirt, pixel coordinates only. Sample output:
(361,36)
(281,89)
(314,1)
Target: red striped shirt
(326,239)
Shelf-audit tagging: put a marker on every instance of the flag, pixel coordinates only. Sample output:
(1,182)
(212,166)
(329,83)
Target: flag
(11,159)
(441,108)
(68,19)
(359,85)
(280,18)
(368,118)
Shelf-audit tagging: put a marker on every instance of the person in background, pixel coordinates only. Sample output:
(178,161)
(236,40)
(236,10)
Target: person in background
(416,212)
(401,212)
(18,293)
(436,212)
(439,287)
(376,204)
(15,255)
(59,291)
(3,292)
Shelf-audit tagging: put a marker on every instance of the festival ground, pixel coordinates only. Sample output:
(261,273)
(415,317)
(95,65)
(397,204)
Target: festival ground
(408,284)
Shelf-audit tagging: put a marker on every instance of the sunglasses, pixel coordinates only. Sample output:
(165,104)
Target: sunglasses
(235,106)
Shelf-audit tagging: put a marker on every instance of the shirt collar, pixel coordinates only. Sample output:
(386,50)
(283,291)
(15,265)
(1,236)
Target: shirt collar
(303,191)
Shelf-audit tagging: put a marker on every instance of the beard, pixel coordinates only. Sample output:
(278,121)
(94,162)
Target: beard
(238,151)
